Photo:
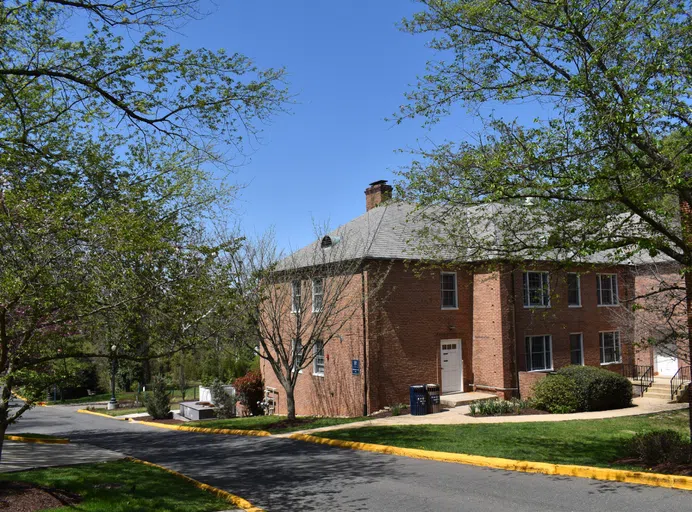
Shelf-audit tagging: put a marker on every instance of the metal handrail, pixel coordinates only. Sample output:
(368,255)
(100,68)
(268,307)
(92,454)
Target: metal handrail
(683,375)
(639,372)
(646,379)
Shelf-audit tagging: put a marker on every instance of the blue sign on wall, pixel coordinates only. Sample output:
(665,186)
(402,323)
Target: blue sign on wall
(355,366)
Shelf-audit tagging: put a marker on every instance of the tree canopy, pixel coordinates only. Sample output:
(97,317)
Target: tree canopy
(109,136)
(606,168)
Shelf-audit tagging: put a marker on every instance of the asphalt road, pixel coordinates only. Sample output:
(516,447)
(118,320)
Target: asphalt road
(286,475)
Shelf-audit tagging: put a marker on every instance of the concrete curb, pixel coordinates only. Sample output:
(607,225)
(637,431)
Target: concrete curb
(40,404)
(94,413)
(231,498)
(201,430)
(617,475)
(37,440)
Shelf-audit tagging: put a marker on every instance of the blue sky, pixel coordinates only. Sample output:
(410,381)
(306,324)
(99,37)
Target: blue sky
(349,66)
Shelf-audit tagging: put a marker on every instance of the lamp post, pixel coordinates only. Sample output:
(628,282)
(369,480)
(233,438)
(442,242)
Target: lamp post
(113,403)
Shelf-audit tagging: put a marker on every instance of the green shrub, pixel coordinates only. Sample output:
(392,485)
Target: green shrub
(497,407)
(225,403)
(158,401)
(397,408)
(598,389)
(557,394)
(659,447)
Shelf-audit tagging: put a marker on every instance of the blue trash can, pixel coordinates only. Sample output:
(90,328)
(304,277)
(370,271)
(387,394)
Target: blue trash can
(419,403)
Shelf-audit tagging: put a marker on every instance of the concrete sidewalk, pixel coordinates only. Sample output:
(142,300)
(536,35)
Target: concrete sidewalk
(459,416)
(17,456)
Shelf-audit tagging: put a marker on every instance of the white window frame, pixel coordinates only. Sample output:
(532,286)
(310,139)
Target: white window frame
(295,342)
(578,305)
(529,358)
(442,290)
(320,295)
(601,345)
(316,359)
(296,285)
(581,347)
(545,286)
(599,290)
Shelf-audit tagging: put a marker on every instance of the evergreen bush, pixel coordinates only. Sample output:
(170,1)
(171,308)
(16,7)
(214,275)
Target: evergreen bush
(158,401)
(598,389)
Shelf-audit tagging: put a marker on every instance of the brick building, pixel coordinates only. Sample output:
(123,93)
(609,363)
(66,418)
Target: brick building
(468,327)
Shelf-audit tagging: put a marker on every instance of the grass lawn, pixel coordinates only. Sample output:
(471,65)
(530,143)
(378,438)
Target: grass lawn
(121,412)
(582,442)
(274,424)
(126,396)
(123,486)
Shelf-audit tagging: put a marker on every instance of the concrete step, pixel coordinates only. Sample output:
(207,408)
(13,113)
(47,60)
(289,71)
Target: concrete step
(661,396)
(456,399)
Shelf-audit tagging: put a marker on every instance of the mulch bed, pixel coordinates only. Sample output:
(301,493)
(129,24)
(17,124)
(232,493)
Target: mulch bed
(169,421)
(25,497)
(667,468)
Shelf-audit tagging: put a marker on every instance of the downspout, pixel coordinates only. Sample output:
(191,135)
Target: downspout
(514,330)
(365,345)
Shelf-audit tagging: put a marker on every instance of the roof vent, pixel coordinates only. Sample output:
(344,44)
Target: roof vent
(328,241)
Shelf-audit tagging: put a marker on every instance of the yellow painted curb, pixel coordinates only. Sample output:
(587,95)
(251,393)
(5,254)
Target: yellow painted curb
(202,430)
(231,498)
(94,413)
(37,440)
(41,404)
(618,475)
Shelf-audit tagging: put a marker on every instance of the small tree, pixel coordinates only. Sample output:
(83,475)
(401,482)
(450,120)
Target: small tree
(158,401)
(297,305)
(225,403)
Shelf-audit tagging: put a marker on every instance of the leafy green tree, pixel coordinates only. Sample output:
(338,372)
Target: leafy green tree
(107,135)
(606,171)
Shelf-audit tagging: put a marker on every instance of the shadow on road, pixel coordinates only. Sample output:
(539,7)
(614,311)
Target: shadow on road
(277,474)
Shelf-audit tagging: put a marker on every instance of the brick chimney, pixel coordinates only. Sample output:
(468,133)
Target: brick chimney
(376,193)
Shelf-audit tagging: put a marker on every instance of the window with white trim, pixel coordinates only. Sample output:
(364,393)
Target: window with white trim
(295,296)
(536,289)
(576,348)
(297,349)
(318,361)
(448,290)
(317,295)
(539,353)
(573,290)
(607,289)
(610,347)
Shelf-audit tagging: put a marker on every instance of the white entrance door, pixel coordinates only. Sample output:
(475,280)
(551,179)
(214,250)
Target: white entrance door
(451,365)
(666,364)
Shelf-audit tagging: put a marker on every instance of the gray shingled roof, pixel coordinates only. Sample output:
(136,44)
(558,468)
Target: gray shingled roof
(389,232)
(380,233)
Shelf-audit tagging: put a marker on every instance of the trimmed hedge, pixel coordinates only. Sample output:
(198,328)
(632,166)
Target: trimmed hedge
(557,394)
(598,389)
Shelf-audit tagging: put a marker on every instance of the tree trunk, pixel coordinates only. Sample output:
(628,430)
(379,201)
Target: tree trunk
(290,402)
(686,224)
(688,298)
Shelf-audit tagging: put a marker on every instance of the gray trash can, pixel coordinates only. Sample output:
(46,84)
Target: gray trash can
(432,393)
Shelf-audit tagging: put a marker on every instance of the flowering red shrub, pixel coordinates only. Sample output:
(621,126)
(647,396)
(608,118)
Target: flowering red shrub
(250,389)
